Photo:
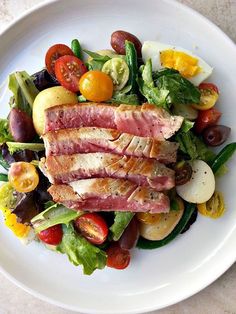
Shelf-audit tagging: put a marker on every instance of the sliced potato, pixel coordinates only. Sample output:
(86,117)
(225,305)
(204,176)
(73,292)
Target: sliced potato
(47,98)
(163,227)
(200,188)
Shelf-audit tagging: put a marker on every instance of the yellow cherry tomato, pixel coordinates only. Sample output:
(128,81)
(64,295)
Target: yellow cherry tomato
(23,177)
(214,208)
(96,86)
(209,97)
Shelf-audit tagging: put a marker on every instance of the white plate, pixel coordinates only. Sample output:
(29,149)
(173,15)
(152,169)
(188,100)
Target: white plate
(155,278)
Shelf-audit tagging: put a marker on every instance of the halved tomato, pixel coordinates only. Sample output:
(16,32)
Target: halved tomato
(54,53)
(93,227)
(209,96)
(206,118)
(68,70)
(117,257)
(23,176)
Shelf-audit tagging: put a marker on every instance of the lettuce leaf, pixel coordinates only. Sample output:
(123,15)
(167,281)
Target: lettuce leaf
(194,147)
(24,91)
(121,221)
(5,134)
(166,87)
(80,251)
(53,215)
(16,146)
(97,61)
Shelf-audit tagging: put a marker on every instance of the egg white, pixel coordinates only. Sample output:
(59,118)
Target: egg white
(151,50)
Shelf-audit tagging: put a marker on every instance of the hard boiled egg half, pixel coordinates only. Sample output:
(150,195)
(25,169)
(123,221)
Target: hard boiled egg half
(190,66)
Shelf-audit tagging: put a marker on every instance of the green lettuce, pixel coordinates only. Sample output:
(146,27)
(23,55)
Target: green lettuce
(80,251)
(166,87)
(16,146)
(5,134)
(53,215)
(181,90)
(186,125)
(121,221)
(24,91)
(148,89)
(97,61)
(194,147)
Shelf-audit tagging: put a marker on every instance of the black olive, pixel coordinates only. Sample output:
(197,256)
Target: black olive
(216,135)
(183,173)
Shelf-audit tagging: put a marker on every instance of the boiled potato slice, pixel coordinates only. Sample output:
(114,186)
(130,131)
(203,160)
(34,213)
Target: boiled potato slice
(163,227)
(200,188)
(47,98)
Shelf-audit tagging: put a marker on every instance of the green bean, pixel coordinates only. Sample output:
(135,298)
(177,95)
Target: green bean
(223,156)
(132,61)
(76,48)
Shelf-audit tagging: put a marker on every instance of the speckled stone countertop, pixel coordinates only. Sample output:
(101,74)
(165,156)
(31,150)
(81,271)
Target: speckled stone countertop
(219,297)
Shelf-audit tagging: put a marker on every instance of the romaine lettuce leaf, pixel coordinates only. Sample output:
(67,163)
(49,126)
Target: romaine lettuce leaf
(16,146)
(24,91)
(80,251)
(166,87)
(194,147)
(5,134)
(54,215)
(121,221)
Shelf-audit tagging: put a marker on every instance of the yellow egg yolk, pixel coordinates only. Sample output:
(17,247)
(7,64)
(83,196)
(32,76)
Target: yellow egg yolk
(180,61)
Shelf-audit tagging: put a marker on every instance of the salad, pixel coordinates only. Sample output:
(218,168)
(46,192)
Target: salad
(109,150)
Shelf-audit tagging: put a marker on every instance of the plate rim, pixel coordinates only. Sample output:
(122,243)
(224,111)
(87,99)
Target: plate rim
(144,309)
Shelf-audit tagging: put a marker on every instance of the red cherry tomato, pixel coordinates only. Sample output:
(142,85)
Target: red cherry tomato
(54,53)
(68,70)
(209,86)
(206,118)
(93,227)
(117,257)
(52,235)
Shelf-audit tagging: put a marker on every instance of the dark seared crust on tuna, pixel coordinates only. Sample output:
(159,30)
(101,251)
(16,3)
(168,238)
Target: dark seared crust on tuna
(93,139)
(147,120)
(106,194)
(142,171)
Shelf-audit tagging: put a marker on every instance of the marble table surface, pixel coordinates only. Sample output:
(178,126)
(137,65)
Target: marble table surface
(219,297)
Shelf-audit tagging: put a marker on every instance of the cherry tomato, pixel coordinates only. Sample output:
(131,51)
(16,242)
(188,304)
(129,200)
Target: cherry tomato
(68,70)
(52,235)
(93,227)
(117,257)
(96,86)
(54,53)
(209,96)
(23,177)
(209,86)
(206,118)
(214,208)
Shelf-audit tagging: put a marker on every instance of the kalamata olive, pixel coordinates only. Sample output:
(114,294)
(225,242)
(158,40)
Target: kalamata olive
(118,39)
(21,126)
(130,236)
(183,173)
(216,135)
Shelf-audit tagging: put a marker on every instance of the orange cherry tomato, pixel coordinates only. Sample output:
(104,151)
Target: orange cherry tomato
(23,177)
(96,86)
